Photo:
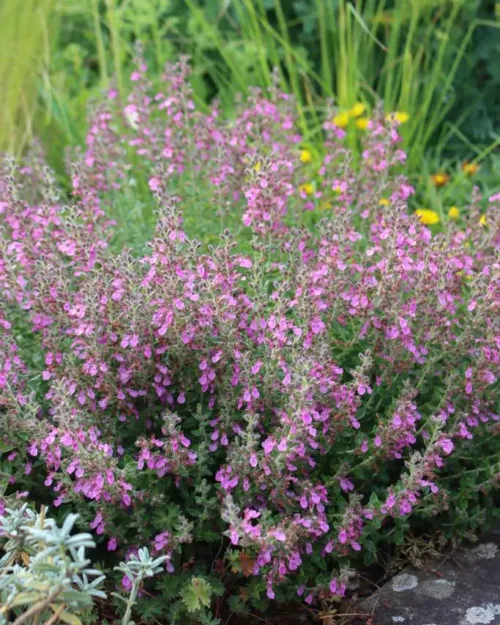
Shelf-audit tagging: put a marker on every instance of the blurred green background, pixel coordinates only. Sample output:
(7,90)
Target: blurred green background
(437,60)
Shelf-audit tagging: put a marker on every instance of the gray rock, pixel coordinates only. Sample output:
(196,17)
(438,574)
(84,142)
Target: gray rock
(464,590)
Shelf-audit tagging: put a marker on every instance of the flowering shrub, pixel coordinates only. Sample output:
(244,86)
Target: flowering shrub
(267,412)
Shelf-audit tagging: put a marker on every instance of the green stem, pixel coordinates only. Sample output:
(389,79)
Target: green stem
(101,52)
(115,43)
(131,602)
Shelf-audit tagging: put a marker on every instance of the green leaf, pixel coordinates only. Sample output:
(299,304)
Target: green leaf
(205,618)
(26,598)
(71,595)
(117,596)
(236,605)
(196,594)
(39,586)
(4,448)
(217,587)
(70,619)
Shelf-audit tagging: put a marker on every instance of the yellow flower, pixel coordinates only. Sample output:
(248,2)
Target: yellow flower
(362,123)
(454,213)
(399,116)
(384,201)
(305,156)
(440,179)
(257,167)
(341,120)
(482,220)
(470,168)
(325,205)
(358,109)
(307,188)
(427,216)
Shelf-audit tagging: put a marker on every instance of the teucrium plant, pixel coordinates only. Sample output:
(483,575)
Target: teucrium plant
(288,401)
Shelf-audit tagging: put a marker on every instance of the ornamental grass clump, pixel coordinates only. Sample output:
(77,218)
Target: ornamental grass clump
(267,412)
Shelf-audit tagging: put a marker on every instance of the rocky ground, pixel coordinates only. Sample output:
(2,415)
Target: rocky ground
(461,590)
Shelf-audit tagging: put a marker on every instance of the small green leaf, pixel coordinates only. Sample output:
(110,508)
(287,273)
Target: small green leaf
(196,594)
(70,619)
(4,448)
(117,596)
(26,598)
(236,605)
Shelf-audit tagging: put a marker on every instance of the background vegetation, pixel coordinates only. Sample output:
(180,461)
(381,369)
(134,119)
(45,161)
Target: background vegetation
(437,60)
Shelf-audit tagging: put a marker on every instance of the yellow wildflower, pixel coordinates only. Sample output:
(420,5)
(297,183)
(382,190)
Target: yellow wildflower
(306,156)
(399,116)
(341,120)
(325,205)
(384,201)
(470,168)
(362,123)
(307,188)
(357,110)
(440,179)
(482,220)
(454,213)
(257,167)
(427,216)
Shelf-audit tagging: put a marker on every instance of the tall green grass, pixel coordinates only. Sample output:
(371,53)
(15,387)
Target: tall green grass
(407,55)
(25,45)
(405,52)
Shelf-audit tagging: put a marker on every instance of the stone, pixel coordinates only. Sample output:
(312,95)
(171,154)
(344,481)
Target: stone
(404,582)
(482,614)
(485,551)
(463,590)
(438,589)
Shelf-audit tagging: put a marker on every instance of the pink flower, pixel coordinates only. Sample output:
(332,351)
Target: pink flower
(346,485)
(446,445)
(66,439)
(112,544)
(317,325)
(256,367)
